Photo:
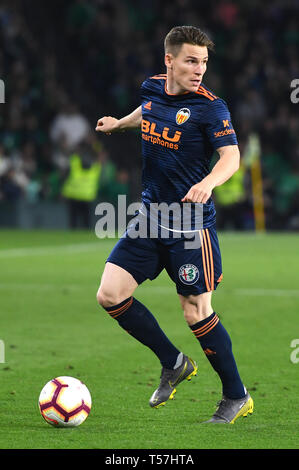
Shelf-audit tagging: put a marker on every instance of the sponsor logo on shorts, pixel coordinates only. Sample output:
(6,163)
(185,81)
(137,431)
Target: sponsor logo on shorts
(188,274)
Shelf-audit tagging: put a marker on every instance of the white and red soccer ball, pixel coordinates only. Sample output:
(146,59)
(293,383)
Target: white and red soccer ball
(65,402)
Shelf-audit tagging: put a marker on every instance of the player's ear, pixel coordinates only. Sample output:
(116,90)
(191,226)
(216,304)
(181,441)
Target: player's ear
(168,58)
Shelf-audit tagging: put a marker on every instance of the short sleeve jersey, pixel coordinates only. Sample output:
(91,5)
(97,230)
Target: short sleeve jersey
(179,136)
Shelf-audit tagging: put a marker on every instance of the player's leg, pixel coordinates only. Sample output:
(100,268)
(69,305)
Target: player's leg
(130,263)
(116,285)
(115,295)
(216,344)
(197,273)
(214,340)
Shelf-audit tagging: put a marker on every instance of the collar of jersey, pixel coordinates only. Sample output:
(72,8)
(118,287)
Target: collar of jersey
(173,94)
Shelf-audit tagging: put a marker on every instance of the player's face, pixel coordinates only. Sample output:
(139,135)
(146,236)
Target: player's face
(187,69)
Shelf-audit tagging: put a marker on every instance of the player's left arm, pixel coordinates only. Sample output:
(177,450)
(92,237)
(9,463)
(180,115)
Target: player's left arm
(226,166)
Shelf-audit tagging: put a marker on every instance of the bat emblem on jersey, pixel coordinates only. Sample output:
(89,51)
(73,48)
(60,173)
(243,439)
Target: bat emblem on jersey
(182,115)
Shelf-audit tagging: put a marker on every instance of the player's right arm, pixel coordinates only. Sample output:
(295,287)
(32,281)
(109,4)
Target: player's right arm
(109,124)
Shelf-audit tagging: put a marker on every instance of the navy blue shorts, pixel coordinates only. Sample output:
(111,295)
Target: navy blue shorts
(193,270)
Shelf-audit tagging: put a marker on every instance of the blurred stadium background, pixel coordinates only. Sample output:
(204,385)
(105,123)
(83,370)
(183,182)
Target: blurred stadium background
(66,63)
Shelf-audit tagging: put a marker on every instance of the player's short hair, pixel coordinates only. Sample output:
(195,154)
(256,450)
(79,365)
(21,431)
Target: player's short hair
(180,35)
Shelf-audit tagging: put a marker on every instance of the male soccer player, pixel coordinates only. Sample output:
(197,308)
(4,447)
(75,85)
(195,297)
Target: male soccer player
(182,124)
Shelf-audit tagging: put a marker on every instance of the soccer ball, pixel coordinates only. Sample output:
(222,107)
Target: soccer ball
(65,402)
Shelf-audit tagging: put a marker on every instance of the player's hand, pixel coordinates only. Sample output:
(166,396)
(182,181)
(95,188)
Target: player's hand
(107,125)
(200,192)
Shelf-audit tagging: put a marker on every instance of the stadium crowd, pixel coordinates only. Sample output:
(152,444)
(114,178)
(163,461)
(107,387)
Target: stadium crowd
(65,64)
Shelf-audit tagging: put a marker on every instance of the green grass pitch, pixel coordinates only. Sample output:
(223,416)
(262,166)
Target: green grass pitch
(51,325)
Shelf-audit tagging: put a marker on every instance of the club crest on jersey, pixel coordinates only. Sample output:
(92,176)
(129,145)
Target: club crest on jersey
(188,274)
(182,116)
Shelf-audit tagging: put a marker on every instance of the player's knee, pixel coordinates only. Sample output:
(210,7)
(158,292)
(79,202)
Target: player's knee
(189,309)
(190,315)
(195,308)
(108,297)
(105,298)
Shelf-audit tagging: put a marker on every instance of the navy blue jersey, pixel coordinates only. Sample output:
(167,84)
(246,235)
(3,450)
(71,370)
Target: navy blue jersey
(179,136)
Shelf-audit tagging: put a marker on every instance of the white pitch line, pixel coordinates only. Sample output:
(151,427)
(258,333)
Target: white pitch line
(253,292)
(51,250)
(248,291)
(36,286)
(271,292)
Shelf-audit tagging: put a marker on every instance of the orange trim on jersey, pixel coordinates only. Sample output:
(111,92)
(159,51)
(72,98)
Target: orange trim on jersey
(220,278)
(206,93)
(159,76)
(204,90)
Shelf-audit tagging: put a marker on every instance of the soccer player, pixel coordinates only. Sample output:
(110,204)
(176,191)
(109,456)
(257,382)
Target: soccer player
(182,123)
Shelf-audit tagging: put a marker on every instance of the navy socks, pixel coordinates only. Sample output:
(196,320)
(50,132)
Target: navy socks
(138,321)
(217,346)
